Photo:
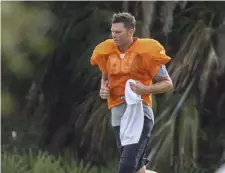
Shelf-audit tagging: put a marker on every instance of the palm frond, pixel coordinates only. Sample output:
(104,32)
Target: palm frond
(172,130)
(92,126)
(197,58)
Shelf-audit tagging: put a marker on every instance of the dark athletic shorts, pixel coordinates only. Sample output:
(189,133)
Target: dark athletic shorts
(133,156)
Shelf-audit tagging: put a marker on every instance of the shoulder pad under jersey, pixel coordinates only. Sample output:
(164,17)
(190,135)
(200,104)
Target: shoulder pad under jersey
(105,47)
(148,46)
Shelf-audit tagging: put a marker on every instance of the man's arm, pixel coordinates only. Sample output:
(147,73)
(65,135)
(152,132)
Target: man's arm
(104,90)
(104,78)
(162,82)
(162,85)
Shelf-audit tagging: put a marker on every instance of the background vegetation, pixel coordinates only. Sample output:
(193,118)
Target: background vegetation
(50,99)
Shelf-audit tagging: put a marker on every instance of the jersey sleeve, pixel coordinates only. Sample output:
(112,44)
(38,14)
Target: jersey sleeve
(158,53)
(162,72)
(98,59)
(156,57)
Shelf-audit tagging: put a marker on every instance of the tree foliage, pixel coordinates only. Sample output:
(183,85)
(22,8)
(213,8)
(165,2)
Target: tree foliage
(56,90)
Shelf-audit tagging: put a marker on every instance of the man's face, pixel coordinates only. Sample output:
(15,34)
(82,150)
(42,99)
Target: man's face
(121,34)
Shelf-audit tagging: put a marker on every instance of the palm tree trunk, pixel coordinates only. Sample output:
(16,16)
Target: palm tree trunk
(125,6)
(166,14)
(148,11)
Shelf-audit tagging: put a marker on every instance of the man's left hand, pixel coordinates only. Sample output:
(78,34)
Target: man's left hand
(139,88)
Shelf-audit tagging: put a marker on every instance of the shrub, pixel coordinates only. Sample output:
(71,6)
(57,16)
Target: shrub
(43,162)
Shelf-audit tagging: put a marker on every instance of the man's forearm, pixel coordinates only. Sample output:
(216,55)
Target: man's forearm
(160,87)
(104,78)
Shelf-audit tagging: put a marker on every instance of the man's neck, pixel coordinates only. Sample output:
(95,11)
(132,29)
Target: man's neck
(124,48)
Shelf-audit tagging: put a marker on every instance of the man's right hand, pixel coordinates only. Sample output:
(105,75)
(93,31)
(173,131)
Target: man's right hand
(104,90)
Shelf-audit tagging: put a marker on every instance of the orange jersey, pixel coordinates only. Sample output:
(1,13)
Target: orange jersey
(140,62)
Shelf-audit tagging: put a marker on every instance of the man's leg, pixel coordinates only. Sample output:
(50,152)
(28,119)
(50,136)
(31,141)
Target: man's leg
(118,143)
(131,156)
(143,162)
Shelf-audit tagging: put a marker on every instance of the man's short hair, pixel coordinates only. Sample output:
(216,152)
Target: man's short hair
(126,18)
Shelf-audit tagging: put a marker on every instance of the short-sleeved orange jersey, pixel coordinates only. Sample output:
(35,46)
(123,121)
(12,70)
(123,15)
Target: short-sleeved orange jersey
(140,62)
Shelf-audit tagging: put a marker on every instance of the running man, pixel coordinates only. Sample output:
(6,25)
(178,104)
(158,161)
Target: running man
(127,57)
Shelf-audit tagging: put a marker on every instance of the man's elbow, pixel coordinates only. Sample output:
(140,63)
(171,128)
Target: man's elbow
(169,85)
(165,83)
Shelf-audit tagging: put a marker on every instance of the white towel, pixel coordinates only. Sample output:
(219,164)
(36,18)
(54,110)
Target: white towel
(133,119)
(221,169)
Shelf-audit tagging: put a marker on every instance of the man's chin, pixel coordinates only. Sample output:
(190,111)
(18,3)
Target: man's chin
(116,43)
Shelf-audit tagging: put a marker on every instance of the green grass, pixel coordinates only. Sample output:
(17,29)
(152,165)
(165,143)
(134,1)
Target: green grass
(43,162)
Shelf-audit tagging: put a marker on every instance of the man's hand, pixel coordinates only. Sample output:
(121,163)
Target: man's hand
(162,85)
(139,88)
(104,90)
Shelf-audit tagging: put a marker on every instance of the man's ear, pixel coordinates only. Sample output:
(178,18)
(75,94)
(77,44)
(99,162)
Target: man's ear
(132,31)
